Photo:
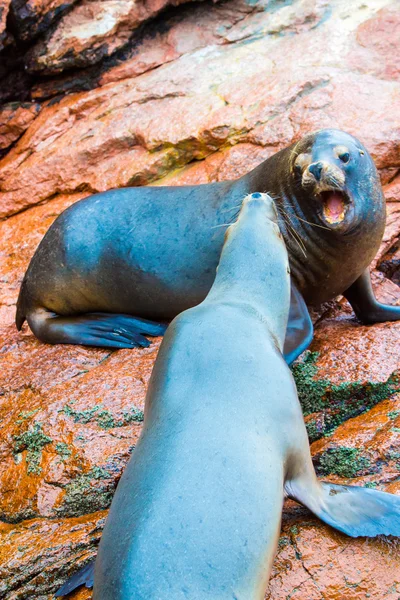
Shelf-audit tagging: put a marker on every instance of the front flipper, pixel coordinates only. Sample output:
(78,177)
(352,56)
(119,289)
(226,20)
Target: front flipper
(93,329)
(84,576)
(299,332)
(356,511)
(365,305)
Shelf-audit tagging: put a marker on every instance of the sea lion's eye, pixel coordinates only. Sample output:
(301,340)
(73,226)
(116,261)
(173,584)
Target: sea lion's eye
(342,153)
(345,157)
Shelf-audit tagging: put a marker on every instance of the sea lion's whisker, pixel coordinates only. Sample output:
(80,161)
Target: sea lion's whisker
(312,224)
(236,215)
(232,208)
(222,225)
(295,235)
(297,239)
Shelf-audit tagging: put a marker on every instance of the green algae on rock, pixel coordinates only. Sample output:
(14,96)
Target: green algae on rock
(342,461)
(63,450)
(338,402)
(82,497)
(33,441)
(103,417)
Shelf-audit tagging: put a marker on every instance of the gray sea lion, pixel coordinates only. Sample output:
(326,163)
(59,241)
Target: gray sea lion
(197,512)
(151,252)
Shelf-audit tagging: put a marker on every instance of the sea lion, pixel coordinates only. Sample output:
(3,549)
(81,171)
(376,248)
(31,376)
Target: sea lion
(152,251)
(197,512)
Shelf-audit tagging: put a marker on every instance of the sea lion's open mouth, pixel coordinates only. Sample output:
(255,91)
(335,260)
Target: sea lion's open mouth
(334,206)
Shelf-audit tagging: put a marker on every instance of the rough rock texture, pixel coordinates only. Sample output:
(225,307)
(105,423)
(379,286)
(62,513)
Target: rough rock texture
(4,36)
(94,29)
(33,17)
(15,118)
(202,93)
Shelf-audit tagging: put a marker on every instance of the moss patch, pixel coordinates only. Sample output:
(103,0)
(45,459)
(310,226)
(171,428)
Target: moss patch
(103,417)
(63,450)
(338,402)
(24,415)
(371,485)
(342,461)
(393,414)
(88,493)
(33,442)
(395,457)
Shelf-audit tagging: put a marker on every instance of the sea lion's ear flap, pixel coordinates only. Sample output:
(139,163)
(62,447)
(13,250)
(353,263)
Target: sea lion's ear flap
(354,510)
(299,332)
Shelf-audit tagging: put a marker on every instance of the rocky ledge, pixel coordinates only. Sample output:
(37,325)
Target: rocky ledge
(97,95)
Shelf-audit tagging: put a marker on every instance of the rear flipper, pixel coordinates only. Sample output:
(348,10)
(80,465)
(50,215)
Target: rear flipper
(93,329)
(354,510)
(365,305)
(299,332)
(84,576)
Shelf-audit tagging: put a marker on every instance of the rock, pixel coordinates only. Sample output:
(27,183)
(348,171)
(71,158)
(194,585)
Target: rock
(202,93)
(92,30)
(4,8)
(162,41)
(33,17)
(114,136)
(379,40)
(15,118)
(46,552)
(317,563)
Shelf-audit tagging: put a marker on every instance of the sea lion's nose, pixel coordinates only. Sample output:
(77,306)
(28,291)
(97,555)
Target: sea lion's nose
(315,169)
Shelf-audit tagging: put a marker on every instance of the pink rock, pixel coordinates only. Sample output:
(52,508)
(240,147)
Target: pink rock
(33,17)
(15,118)
(91,31)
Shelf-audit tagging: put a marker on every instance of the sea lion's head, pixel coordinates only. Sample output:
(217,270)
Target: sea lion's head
(339,178)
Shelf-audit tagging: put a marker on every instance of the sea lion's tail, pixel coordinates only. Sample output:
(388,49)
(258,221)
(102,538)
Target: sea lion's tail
(356,511)
(84,576)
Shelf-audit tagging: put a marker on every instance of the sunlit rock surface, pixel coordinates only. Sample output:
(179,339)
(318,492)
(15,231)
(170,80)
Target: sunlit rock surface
(199,92)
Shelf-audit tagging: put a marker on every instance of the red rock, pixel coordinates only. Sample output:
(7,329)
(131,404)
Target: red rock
(33,17)
(317,563)
(46,552)
(380,39)
(116,135)
(179,34)
(14,120)
(374,350)
(92,30)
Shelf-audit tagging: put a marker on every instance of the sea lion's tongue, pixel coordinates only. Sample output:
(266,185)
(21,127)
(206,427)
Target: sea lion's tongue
(333,206)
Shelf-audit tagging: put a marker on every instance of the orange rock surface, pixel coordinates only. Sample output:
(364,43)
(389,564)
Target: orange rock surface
(201,93)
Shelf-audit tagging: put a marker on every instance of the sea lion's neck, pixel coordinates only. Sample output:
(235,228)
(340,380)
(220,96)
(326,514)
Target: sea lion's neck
(253,272)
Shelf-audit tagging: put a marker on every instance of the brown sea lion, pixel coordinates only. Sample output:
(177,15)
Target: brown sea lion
(115,260)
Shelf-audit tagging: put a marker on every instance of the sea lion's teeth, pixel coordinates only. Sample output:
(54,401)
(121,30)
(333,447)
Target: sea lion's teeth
(333,206)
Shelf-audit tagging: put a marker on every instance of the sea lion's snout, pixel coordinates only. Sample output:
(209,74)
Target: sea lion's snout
(258,201)
(316,169)
(326,181)
(323,176)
